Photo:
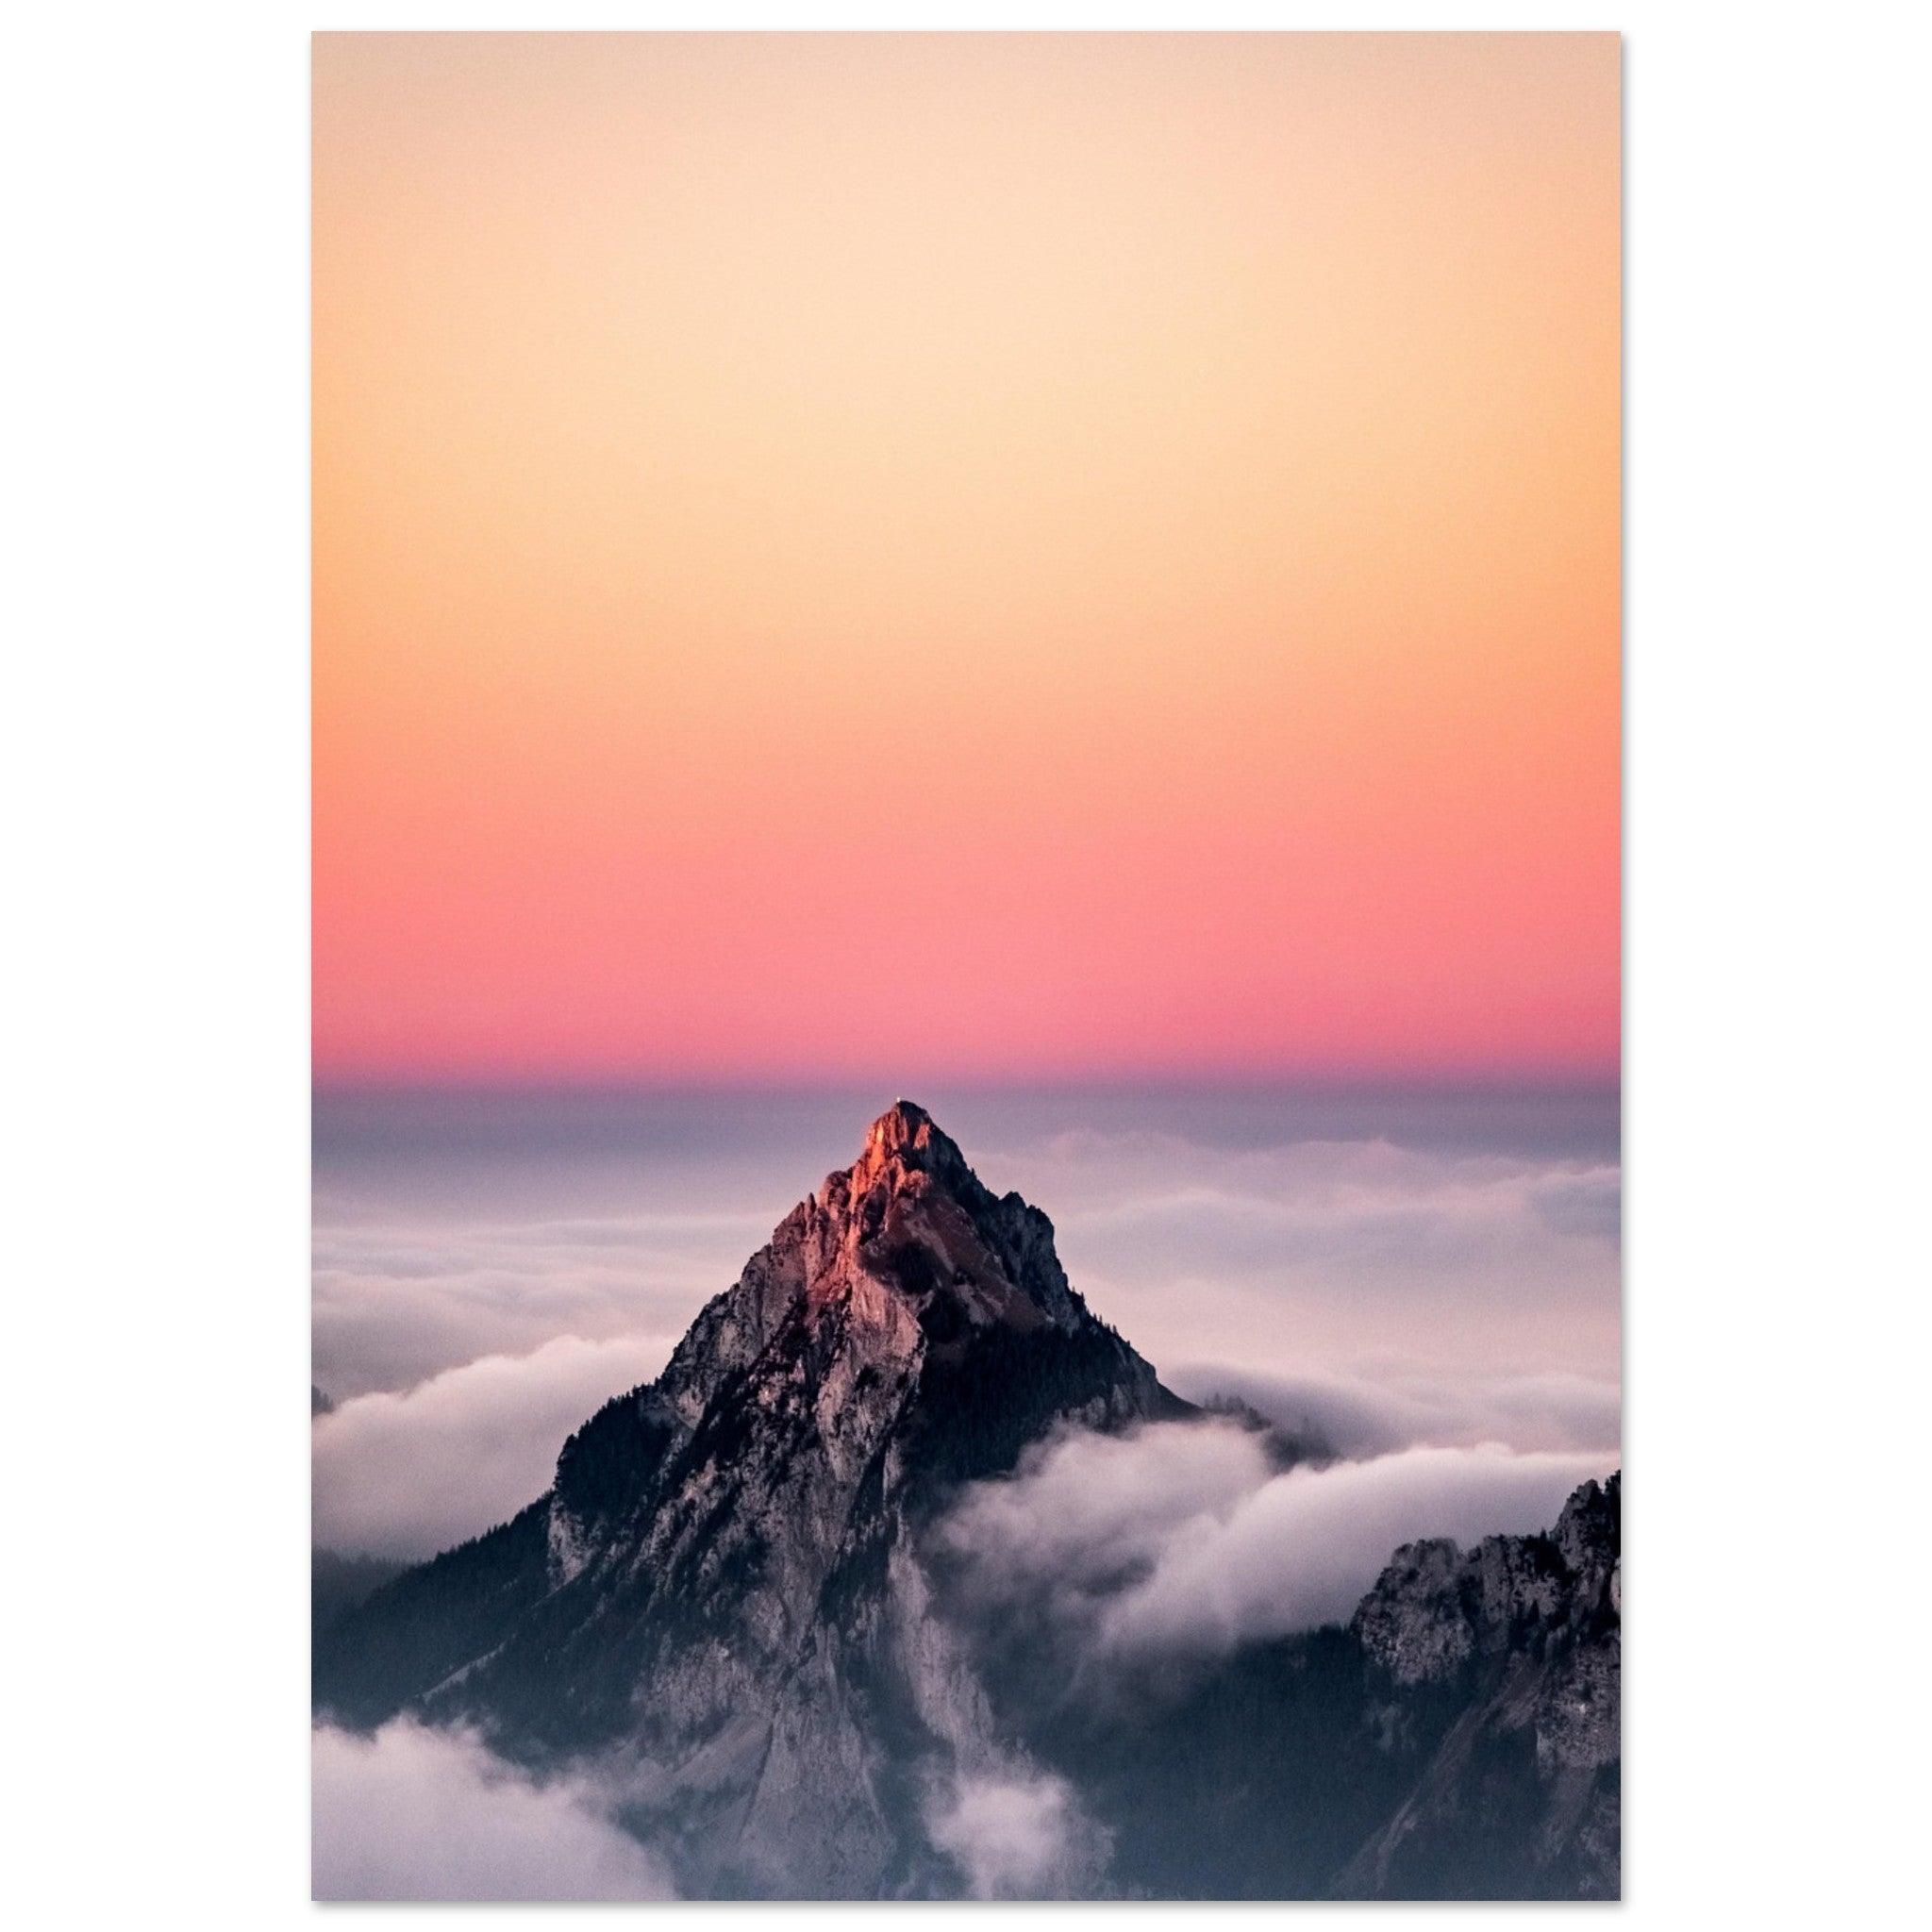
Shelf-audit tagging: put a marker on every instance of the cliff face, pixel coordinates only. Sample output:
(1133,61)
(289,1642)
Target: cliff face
(720,1586)
(1522,1636)
(721,1607)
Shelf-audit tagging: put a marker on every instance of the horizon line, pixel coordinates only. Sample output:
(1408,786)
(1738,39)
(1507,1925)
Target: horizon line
(1595,1081)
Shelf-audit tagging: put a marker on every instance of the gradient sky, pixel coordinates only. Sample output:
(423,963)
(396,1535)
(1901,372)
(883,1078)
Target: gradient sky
(974,557)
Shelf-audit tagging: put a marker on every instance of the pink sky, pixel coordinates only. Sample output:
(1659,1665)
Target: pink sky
(998,556)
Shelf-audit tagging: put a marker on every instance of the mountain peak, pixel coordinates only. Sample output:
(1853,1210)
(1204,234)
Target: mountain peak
(905,1139)
(909,1226)
(901,1123)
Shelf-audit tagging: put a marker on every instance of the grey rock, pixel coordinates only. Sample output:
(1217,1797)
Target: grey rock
(1525,1634)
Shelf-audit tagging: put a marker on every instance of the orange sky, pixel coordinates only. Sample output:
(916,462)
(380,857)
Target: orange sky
(965,555)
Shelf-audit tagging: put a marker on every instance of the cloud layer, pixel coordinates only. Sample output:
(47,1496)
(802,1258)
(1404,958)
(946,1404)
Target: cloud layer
(1348,1236)
(397,1303)
(1181,1540)
(1016,1834)
(422,1814)
(1391,1271)
(407,1475)
(1365,1415)
(1339,1255)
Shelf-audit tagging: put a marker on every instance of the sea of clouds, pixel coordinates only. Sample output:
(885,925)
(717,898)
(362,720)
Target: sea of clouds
(1384,1272)
(1429,1285)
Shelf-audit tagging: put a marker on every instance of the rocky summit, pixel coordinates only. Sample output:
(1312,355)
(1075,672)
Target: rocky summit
(721,1607)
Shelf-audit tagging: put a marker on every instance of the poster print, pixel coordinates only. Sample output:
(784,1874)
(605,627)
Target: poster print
(966,966)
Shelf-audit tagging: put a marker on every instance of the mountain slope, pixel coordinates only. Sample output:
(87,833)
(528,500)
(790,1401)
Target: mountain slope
(720,1584)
